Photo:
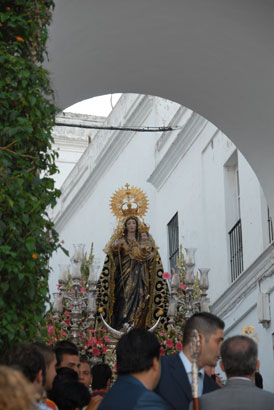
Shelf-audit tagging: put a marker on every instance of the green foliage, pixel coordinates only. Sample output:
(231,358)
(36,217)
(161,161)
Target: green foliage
(27,237)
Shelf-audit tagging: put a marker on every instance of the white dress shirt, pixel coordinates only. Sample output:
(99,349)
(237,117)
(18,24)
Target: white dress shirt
(188,368)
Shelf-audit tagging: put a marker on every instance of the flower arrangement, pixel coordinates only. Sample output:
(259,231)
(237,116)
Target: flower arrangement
(91,342)
(171,342)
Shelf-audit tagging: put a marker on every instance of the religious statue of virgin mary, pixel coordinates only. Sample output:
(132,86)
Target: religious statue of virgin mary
(131,289)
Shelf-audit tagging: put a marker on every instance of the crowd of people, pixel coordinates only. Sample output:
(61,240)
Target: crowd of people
(37,376)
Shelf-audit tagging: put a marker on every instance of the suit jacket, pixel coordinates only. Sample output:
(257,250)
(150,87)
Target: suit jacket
(174,384)
(128,393)
(238,394)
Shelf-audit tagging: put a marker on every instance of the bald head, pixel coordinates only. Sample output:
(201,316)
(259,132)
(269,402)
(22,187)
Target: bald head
(239,356)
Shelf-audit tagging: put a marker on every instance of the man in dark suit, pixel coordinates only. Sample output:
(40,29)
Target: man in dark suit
(138,367)
(239,361)
(176,376)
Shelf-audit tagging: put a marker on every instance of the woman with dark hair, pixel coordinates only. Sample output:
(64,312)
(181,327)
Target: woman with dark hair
(131,288)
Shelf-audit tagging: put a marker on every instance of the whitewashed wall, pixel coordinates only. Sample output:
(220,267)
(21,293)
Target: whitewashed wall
(186,171)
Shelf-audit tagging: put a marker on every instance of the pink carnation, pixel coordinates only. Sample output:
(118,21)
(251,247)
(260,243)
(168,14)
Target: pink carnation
(178,346)
(182,286)
(67,322)
(107,339)
(169,343)
(91,341)
(83,290)
(166,275)
(67,313)
(95,351)
(50,329)
(162,351)
(104,349)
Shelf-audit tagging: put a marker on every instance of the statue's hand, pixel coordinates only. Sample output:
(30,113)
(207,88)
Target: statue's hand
(150,257)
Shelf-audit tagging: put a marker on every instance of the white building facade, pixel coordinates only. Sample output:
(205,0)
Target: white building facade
(200,188)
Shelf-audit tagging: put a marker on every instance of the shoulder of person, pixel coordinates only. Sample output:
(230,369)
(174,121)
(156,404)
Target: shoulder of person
(150,400)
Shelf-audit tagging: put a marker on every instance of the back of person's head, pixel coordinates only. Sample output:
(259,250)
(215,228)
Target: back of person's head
(65,374)
(28,359)
(46,350)
(136,350)
(101,374)
(64,347)
(69,395)
(16,392)
(239,356)
(205,323)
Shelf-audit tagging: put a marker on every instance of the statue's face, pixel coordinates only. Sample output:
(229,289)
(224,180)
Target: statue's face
(131,225)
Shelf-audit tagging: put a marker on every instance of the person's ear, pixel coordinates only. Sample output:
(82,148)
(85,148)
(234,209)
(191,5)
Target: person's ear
(202,341)
(39,377)
(108,383)
(155,363)
(222,366)
(257,365)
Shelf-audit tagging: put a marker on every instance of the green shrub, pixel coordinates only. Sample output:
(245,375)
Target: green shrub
(27,237)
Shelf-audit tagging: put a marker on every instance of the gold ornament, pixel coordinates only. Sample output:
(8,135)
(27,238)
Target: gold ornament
(248,330)
(129,201)
(143,227)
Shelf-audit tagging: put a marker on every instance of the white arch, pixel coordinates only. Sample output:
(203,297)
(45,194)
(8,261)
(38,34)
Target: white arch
(215,57)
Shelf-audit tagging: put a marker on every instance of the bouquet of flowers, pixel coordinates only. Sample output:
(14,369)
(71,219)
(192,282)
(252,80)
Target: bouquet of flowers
(171,342)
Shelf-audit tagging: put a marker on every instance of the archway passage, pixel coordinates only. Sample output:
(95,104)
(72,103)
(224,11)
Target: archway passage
(215,57)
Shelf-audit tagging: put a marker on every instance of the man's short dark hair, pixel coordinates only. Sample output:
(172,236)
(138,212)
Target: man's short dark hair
(205,323)
(64,347)
(136,350)
(28,359)
(239,356)
(84,359)
(101,373)
(46,350)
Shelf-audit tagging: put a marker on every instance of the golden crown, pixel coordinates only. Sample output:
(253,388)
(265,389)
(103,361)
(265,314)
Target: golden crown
(128,201)
(143,227)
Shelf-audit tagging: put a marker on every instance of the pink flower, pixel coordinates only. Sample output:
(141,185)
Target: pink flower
(83,290)
(179,346)
(90,342)
(62,241)
(169,343)
(95,351)
(162,351)
(67,322)
(107,339)
(166,275)
(67,313)
(162,334)
(50,329)
(104,350)
(37,11)
(182,286)
(62,332)
(115,366)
